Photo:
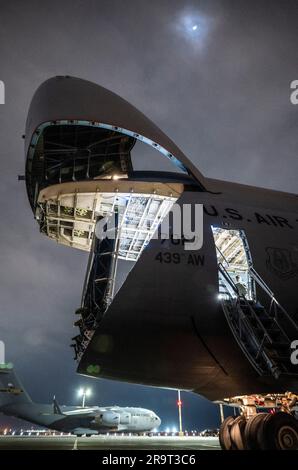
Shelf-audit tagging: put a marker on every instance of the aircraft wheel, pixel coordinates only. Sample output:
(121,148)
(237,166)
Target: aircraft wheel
(224,433)
(237,433)
(253,430)
(280,432)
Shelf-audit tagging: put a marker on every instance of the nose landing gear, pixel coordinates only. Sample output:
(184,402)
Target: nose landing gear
(262,431)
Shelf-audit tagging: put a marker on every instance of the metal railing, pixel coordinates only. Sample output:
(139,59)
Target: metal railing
(274,304)
(244,325)
(274,307)
(239,297)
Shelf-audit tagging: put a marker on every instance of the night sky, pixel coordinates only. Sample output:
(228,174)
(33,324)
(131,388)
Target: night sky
(214,75)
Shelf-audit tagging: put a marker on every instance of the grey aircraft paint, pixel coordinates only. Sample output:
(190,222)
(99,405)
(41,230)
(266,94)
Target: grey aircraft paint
(166,326)
(15,401)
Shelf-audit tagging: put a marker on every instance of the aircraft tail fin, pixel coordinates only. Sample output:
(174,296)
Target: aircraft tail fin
(56,407)
(11,389)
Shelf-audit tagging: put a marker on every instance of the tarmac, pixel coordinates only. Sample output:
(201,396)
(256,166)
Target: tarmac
(108,443)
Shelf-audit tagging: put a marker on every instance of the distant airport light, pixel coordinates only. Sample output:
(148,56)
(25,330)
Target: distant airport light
(84,392)
(195,27)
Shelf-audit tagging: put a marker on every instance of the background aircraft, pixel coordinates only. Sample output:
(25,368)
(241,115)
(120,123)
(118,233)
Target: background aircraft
(15,401)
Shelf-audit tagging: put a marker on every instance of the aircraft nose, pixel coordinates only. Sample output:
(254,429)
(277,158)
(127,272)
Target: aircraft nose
(158,421)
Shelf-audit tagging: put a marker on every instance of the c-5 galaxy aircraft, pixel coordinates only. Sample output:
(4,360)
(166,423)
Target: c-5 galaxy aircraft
(15,401)
(219,320)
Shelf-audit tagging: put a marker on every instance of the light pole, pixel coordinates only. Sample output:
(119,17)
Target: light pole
(84,392)
(179,404)
(221,410)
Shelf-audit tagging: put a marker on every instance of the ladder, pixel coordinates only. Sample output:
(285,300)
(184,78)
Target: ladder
(264,335)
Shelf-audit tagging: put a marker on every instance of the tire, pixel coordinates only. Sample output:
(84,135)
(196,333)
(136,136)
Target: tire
(280,432)
(224,433)
(237,433)
(253,430)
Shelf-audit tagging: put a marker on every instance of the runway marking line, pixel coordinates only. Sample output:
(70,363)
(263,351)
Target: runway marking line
(75,445)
